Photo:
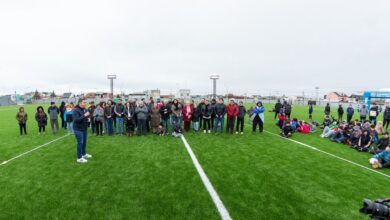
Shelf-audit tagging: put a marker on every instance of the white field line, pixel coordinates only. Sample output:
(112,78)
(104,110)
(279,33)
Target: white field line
(34,149)
(206,182)
(329,154)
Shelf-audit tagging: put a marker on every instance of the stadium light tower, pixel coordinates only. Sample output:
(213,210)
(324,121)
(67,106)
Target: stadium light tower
(111,78)
(214,78)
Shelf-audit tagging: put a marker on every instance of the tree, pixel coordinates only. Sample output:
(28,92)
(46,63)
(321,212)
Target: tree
(36,95)
(52,95)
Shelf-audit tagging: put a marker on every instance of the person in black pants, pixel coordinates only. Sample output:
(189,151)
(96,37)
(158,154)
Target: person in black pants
(340,112)
(240,117)
(258,117)
(278,106)
(206,112)
(200,106)
(62,113)
(386,117)
(21,116)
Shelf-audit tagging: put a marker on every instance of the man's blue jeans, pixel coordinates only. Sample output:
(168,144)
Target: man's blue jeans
(81,137)
(219,120)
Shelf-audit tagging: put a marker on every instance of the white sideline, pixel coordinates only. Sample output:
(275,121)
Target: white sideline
(206,182)
(34,149)
(329,154)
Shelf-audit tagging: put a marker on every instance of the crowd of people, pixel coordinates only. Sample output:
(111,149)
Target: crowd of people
(365,134)
(141,117)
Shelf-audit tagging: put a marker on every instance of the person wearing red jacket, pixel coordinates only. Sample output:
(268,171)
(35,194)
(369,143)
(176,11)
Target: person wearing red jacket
(187,111)
(304,129)
(232,112)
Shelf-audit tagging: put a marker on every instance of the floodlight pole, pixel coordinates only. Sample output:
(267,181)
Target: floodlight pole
(111,78)
(214,78)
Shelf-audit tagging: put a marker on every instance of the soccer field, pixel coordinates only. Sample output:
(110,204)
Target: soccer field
(256,176)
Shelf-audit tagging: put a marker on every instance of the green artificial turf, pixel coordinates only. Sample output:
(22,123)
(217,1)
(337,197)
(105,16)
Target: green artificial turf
(257,176)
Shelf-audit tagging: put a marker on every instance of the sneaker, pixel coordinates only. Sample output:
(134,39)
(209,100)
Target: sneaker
(209,131)
(87,156)
(82,160)
(204,131)
(236,132)
(242,132)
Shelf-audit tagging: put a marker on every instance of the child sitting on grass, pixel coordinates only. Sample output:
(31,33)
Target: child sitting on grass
(287,130)
(381,145)
(364,143)
(381,160)
(305,128)
(160,130)
(177,131)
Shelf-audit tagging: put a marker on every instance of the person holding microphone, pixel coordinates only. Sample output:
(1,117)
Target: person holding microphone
(80,127)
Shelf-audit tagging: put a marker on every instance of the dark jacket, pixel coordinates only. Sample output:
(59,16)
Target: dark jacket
(220,109)
(386,114)
(327,109)
(206,111)
(340,110)
(80,122)
(383,143)
(241,112)
(196,115)
(278,106)
(119,110)
(287,129)
(287,109)
(108,111)
(165,112)
(41,118)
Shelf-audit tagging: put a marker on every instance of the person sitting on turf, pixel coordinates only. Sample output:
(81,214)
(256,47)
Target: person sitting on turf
(379,128)
(287,130)
(355,135)
(177,131)
(305,128)
(313,126)
(338,136)
(160,130)
(381,145)
(294,124)
(374,134)
(329,130)
(327,121)
(364,143)
(381,160)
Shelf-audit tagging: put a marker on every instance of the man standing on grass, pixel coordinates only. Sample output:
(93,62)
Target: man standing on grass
(80,127)
(53,113)
(232,112)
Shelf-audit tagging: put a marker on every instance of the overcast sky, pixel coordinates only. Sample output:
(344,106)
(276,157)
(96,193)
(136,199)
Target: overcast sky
(257,47)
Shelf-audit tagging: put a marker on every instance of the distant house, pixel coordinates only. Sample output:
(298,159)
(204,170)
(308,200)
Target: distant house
(355,98)
(336,97)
